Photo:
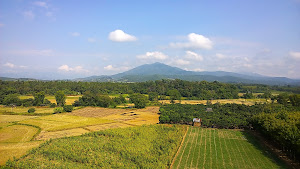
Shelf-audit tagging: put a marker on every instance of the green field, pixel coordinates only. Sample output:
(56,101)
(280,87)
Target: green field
(152,146)
(221,148)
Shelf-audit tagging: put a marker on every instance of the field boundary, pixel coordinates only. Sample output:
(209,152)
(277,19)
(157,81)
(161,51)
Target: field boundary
(179,148)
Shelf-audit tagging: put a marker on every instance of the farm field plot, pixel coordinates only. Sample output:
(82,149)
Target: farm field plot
(151,146)
(221,148)
(58,122)
(221,101)
(19,109)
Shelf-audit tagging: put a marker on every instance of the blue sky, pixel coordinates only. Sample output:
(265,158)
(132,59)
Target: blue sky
(55,39)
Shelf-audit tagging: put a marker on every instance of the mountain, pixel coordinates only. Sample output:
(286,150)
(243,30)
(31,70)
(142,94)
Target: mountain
(158,71)
(16,79)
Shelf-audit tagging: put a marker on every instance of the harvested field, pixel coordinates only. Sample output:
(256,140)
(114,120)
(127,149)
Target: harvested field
(221,101)
(218,148)
(58,134)
(97,112)
(17,133)
(14,118)
(19,109)
(58,122)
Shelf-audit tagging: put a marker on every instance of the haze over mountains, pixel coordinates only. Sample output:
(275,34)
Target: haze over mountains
(158,71)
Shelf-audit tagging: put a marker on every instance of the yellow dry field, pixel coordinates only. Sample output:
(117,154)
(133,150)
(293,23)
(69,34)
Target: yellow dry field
(15,138)
(10,150)
(17,133)
(44,135)
(14,118)
(221,101)
(58,122)
(21,109)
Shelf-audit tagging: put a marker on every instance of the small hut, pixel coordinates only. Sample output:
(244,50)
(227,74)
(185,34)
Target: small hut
(197,122)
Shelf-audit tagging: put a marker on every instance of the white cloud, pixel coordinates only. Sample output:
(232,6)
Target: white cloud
(120,36)
(10,65)
(92,40)
(78,69)
(41,4)
(221,56)
(112,68)
(193,56)
(198,70)
(181,62)
(295,55)
(195,41)
(109,67)
(153,55)
(75,34)
(28,15)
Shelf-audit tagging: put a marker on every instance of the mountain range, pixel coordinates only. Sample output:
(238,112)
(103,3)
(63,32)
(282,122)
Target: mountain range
(158,71)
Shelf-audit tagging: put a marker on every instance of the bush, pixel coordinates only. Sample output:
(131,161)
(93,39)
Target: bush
(31,110)
(52,105)
(58,110)
(68,108)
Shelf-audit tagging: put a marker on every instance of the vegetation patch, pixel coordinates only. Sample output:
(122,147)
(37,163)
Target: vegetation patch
(135,147)
(62,122)
(223,148)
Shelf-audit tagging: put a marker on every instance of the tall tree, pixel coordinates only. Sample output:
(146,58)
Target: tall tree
(138,100)
(174,95)
(60,98)
(39,98)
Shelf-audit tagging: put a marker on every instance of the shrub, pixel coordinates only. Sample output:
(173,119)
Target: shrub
(68,108)
(31,110)
(52,105)
(58,110)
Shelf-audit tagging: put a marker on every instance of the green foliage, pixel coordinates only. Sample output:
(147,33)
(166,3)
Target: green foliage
(283,128)
(12,99)
(174,95)
(153,96)
(283,98)
(139,100)
(91,99)
(295,99)
(52,105)
(31,110)
(135,147)
(68,108)
(248,95)
(39,98)
(27,102)
(60,98)
(58,110)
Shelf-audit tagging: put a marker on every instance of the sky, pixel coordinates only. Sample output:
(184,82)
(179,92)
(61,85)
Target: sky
(65,39)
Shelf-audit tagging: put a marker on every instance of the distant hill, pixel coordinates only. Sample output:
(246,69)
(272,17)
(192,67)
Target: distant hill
(158,71)
(16,79)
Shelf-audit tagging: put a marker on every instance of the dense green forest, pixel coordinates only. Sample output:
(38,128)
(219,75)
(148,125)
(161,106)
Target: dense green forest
(199,90)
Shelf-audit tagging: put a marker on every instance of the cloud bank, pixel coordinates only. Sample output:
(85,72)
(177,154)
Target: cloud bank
(195,41)
(121,36)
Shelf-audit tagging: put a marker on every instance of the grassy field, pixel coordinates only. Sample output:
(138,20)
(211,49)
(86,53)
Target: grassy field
(151,146)
(218,148)
(221,101)
(22,110)
(19,133)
